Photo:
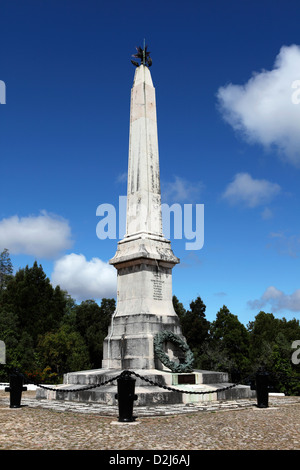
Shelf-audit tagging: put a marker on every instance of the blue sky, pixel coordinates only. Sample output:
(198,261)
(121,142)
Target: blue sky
(228,128)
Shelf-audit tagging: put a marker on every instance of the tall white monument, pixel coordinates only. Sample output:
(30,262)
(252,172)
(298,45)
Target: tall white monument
(144,258)
(144,315)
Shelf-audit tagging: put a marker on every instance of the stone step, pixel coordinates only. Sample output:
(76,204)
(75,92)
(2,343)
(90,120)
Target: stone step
(160,377)
(149,395)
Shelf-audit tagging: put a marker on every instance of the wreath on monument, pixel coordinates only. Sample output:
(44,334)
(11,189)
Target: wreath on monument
(159,341)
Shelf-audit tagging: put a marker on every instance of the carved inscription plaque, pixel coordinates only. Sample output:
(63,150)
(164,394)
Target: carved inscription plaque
(157,283)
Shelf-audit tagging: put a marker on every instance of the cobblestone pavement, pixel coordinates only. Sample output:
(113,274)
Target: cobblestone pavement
(239,425)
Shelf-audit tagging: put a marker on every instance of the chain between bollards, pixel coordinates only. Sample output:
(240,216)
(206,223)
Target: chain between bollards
(123,375)
(87,387)
(166,387)
(126,387)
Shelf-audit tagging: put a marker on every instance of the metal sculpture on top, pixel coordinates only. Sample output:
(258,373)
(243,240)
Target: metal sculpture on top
(143,55)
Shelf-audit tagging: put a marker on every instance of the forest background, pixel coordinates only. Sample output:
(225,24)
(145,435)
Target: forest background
(46,334)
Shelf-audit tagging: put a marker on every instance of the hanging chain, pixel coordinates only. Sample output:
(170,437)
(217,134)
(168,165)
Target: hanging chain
(124,374)
(128,372)
(88,387)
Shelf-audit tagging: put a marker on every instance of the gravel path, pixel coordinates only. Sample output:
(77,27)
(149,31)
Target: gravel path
(246,428)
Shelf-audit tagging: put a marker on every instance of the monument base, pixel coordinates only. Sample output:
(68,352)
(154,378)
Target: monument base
(147,393)
(135,349)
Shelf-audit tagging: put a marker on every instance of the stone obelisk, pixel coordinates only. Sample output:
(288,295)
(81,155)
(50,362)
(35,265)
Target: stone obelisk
(144,262)
(144,258)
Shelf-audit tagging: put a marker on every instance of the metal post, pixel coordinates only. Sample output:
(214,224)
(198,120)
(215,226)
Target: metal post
(16,380)
(126,397)
(262,394)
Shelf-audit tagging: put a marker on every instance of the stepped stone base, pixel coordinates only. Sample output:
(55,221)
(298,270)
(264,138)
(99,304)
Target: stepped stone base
(148,394)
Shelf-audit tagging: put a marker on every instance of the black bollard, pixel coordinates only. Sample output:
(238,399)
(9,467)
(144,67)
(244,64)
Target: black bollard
(262,394)
(235,375)
(126,397)
(16,380)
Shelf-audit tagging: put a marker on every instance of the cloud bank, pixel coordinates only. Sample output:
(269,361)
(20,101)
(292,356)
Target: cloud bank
(84,279)
(43,236)
(265,109)
(278,300)
(249,191)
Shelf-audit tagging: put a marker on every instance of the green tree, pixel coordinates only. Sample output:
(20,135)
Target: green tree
(63,351)
(108,307)
(179,308)
(38,306)
(229,343)
(195,328)
(6,268)
(92,323)
(69,317)
(10,334)
(283,374)
(270,347)
(263,332)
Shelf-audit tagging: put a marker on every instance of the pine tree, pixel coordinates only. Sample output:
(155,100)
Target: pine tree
(230,342)
(6,268)
(38,306)
(179,308)
(195,328)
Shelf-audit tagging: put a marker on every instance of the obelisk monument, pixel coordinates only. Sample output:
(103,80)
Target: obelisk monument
(145,333)
(144,258)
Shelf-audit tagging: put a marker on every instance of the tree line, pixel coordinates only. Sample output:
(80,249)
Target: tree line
(47,334)
(226,344)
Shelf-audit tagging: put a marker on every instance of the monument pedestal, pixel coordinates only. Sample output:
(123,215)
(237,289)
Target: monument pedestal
(148,395)
(130,343)
(144,303)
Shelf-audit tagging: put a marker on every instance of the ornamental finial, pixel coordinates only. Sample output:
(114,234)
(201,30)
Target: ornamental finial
(143,55)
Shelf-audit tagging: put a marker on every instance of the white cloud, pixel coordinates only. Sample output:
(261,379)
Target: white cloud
(285,244)
(263,109)
(266,214)
(122,177)
(278,300)
(180,190)
(252,192)
(84,279)
(43,236)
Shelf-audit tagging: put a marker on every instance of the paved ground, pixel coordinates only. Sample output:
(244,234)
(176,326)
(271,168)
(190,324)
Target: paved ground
(240,425)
